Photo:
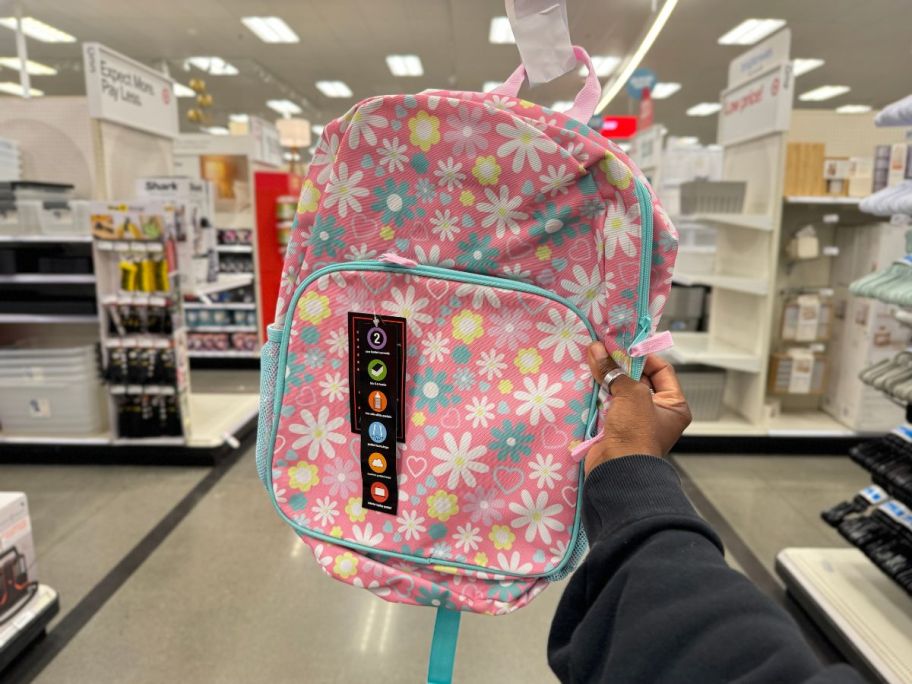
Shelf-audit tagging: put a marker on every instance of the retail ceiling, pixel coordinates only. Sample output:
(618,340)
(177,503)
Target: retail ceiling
(864,44)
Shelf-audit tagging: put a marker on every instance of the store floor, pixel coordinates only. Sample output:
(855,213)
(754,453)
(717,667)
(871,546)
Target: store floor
(187,575)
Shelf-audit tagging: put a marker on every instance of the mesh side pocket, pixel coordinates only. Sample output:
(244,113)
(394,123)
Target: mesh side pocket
(269,367)
(579,551)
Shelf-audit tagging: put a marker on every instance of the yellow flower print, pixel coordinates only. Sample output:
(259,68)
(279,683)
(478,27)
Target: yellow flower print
(525,104)
(425,130)
(387,232)
(502,537)
(467,198)
(309,198)
(418,418)
(543,253)
(486,170)
(616,172)
(313,307)
(303,476)
(481,558)
(346,565)
(445,568)
(355,510)
(621,358)
(467,326)
(442,505)
(505,386)
(336,532)
(528,360)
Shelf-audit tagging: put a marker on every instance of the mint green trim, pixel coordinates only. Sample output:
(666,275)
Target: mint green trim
(644,318)
(443,646)
(443,274)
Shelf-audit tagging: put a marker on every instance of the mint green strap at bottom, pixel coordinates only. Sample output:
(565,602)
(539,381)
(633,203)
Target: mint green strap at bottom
(443,646)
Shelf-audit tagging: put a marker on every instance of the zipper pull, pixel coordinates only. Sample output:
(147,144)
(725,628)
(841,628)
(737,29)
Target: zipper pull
(393,258)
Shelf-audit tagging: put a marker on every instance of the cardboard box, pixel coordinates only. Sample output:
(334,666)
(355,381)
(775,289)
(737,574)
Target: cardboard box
(18,566)
(804,169)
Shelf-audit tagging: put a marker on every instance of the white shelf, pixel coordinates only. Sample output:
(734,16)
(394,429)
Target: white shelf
(729,423)
(129,245)
(749,221)
(821,199)
(807,424)
(691,347)
(143,389)
(220,328)
(95,439)
(224,282)
(234,249)
(752,286)
(48,278)
(855,604)
(244,306)
(227,354)
(53,239)
(46,318)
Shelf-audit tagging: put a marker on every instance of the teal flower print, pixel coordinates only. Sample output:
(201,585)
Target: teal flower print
(463,379)
(477,255)
(425,191)
(314,357)
(620,315)
(433,391)
(511,441)
(556,224)
(436,596)
(394,200)
(505,591)
(592,207)
(324,239)
(579,418)
(667,241)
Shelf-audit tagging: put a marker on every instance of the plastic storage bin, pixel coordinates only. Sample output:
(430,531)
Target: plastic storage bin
(704,387)
(712,197)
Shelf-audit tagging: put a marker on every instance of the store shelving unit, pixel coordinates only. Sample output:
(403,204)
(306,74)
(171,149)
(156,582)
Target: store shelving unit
(28,625)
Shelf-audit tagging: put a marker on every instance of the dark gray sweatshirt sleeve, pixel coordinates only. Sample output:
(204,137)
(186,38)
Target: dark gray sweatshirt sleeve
(654,601)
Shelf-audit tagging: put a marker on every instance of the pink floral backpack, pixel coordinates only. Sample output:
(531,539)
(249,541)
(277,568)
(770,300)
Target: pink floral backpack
(425,399)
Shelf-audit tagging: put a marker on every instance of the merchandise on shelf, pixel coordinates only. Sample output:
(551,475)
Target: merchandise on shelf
(234,236)
(807,318)
(704,388)
(798,371)
(234,263)
(716,197)
(10,161)
(18,563)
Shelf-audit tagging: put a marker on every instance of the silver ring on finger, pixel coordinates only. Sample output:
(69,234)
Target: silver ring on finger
(610,377)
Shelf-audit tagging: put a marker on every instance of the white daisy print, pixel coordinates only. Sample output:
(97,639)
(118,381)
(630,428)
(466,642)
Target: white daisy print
(588,290)
(524,142)
(480,295)
(538,399)
(325,156)
(361,122)
(480,411)
(279,494)
(408,307)
(466,537)
(566,335)
(449,174)
(459,461)
(333,386)
(338,342)
(432,257)
(491,364)
(365,535)
(411,525)
(360,253)
(325,511)
(467,131)
(501,211)
(435,346)
(500,102)
(558,551)
(317,433)
(545,470)
(516,272)
(536,516)
(445,224)
(620,231)
(344,190)
(556,180)
(392,155)
(512,564)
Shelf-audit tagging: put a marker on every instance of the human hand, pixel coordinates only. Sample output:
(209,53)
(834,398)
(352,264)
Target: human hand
(638,421)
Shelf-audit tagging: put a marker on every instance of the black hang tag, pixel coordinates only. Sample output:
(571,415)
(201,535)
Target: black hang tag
(380,483)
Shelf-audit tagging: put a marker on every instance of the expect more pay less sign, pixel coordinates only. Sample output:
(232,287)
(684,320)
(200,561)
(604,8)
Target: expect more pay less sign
(757,107)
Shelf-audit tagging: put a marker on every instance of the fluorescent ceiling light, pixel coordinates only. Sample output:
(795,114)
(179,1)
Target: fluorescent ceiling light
(16,89)
(216,130)
(562,105)
(239,118)
(214,66)
(404,65)
(620,80)
(489,86)
(823,93)
(284,107)
(271,29)
(687,141)
(183,91)
(802,66)
(604,65)
(334,88)
(663,90)
(853,109)
(317,129)
(33,68)
(704,109)
(501,32)
(750,31)
(38,30)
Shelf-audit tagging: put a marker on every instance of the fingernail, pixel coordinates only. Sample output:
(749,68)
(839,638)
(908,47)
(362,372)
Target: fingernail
(598,351)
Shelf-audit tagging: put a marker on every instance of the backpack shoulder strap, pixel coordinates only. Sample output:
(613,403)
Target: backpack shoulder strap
(443,646)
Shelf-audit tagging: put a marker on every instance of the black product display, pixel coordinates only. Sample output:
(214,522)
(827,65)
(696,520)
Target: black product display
(139,366)
(231,263)
(147,415)
(15,587)
(889,460)
(139,319)
(885,541)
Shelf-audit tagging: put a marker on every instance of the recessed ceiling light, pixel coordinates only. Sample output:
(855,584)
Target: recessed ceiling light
(33,68)
(604,65)
(802,66)
(183,91)
(317,129)
(284,107)
(404,65)
(214,66)
(704,109)
(16,89)
(853,109)
(271,29)
(663,90)
(216,130)
(501,33)
(489,86)
(823,93)
(750,31)
(239,118)
(334,88)
(562,105)
(38,30)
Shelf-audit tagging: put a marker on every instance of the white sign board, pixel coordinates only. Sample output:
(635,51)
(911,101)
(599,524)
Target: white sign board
(267,147)
(124,91)
(647,147)
(756,108)
(760,58)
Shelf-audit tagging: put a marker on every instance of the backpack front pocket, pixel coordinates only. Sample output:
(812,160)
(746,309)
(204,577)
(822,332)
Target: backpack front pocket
(497,392)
